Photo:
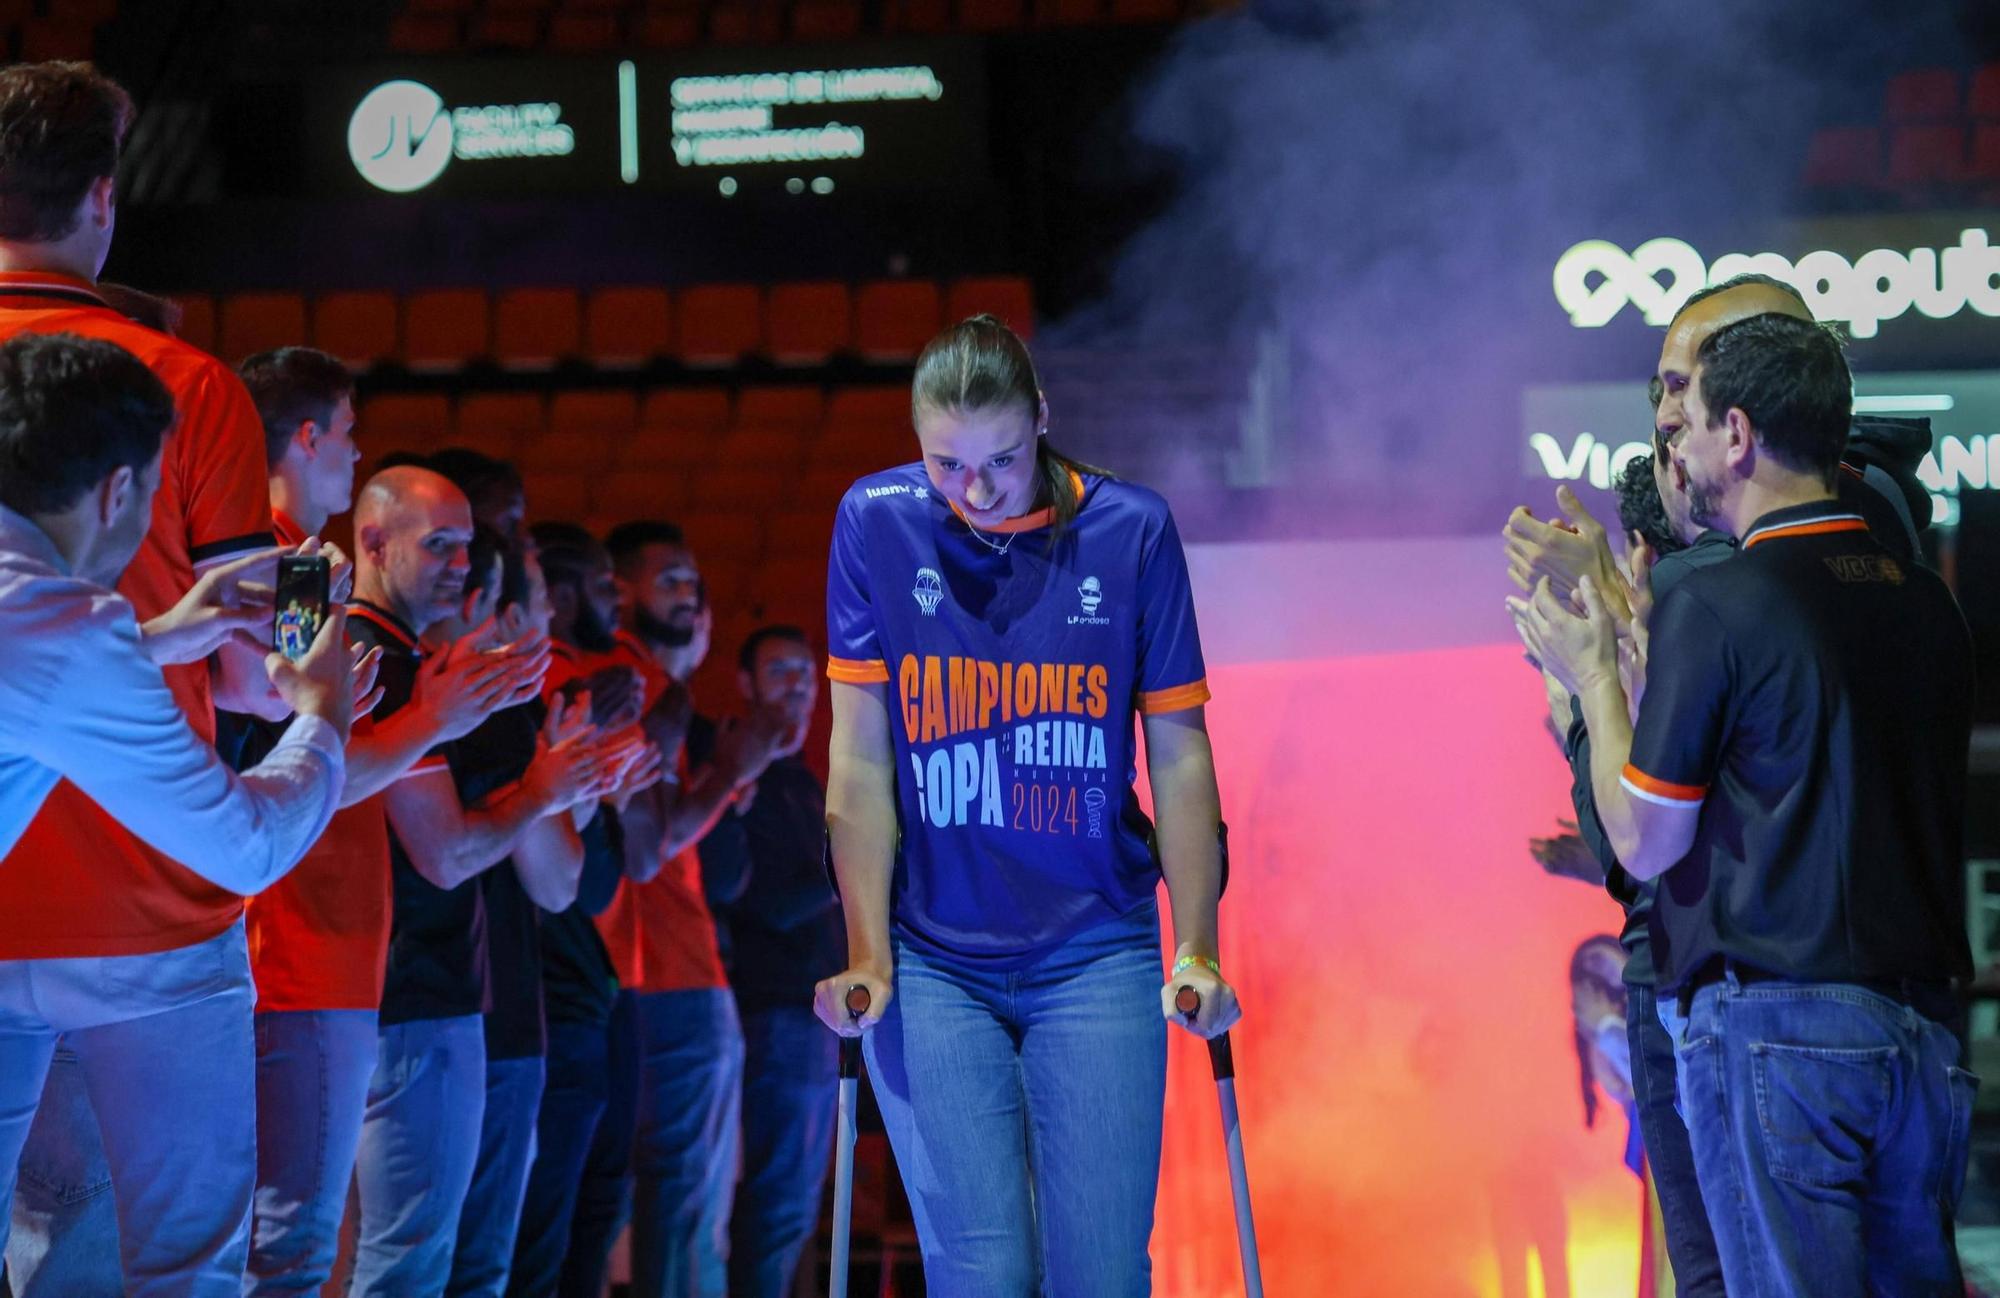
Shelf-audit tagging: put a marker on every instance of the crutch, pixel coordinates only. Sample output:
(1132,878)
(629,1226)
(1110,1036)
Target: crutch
(1188,1002)
(843,1149)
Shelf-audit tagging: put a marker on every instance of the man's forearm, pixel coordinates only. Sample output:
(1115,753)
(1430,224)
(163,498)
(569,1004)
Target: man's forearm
(490,833)
(1609,722)
(384,755)
(549,862)
(239,683)
(694,812)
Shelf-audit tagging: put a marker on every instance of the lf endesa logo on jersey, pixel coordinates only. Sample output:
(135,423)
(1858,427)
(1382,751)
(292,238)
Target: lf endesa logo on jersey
(1595,281)
(402,137)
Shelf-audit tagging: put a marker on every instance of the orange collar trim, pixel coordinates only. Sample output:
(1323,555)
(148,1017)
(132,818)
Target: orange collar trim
(288,530)
(1026,522)
(1807,527)
(49,283)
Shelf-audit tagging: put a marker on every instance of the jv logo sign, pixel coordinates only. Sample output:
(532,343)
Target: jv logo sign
(1595,280)
(400,136)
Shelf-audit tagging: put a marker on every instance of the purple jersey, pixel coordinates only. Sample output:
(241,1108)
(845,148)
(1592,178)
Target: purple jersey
(1012,682)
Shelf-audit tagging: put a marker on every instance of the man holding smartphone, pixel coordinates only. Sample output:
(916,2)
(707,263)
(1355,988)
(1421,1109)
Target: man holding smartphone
(81,428)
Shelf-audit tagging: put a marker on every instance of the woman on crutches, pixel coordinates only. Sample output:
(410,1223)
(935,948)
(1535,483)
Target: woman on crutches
(998,614)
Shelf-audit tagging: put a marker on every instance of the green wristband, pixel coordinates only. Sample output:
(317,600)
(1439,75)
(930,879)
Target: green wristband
(1190,961)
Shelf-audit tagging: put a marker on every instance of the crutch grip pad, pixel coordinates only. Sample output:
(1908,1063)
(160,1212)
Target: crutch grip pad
(1220,1058)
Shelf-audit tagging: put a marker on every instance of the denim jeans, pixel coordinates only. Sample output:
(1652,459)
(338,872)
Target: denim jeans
(1025,1108)
(604,1192)
(492,1210)
(1690,1241)
(1830,1128)
(573,1100)
(684,1163)
(65,1236)
(791,1065)
(419,1140)
(313,1069)
(166,1052)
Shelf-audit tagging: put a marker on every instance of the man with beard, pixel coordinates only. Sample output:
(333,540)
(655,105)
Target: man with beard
(460,811)
(1800,793)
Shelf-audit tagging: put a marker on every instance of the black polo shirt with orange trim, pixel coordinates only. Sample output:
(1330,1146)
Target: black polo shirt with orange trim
(1813,698)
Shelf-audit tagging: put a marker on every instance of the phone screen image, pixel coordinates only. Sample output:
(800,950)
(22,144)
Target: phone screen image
(301,604)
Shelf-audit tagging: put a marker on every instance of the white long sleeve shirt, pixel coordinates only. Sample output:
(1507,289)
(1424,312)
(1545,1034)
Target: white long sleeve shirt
(81,700)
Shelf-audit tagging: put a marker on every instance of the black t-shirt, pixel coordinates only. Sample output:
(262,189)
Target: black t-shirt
(579,983)
(1636,897)
(437,938)
(488,759)
(784,924)
(1813,697)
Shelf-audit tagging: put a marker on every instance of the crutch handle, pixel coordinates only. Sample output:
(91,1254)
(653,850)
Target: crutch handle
(858,1000)
(1187,1001)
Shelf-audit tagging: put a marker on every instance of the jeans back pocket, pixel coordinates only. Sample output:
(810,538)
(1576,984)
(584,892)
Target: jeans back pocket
(1819,1108)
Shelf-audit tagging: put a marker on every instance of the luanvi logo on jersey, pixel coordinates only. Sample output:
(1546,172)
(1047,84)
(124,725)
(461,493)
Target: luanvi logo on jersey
(1595,280)
(929,591)
(402,137)
(1090,594)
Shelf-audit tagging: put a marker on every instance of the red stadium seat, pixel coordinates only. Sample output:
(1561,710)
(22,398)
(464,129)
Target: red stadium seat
(197,319)
(642,493)
(920,17)
(1005,296)
(876,407)
(627,326)
(499,423)
(678,449)
(796,584)
(360,328)
(16,11)
(703,410)
(725,535)
(1844,157)
(1984,163)
(773,452)
(611,415)
(798,409)
(556,495)
(505,31)
(1927,155)
(668,29)
(1068,13)
(1922,95)
(533,328)
(893,319)
(826,20)
(424,34)
(822,488)
(1983,102)
(568,450)
(746,22)
(808,322)
(396,423)
(728,489)
(989,15)
(792,532)
(584,33)
(83,11)
(257,322)
(443,329)
(42,41)
(720,324)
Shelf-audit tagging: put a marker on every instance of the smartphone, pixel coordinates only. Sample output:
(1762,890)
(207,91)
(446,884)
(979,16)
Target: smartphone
(303,583)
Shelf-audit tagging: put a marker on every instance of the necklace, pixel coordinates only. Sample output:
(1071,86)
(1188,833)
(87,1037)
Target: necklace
(986,541)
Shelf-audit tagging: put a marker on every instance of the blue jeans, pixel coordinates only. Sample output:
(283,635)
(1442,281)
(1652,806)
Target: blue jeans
(166,1053)
(1025,1108)
(573,1099)
(604,1192)
(684,1164)
(1830,1128)
(313,1069)
(1690,1242)
(791,1065)
(499,1179)
(419,1140)
(65,1237)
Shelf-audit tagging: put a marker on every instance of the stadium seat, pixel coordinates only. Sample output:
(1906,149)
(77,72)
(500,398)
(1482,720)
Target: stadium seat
(668,29)
(42,41)
(746,22)
(1921,95)
(1844,157)
(1983,101)
(808,323)
(568,450)
(678,449)
(874,406)
(704,410)
(360,328)
(533,328)
(256,322)
(719,324)
(499,423)
(918,17)
(612,415)
(83,11)
(821,488)
(443,329)
(1984,163)
(797,408)
(789,533)
(735,534)
(826,20)
(652,493)
(404,422)
(583,33)
(553,495)
(989,15)
(1006,296)
(197,319)
(423,34)
(796,584)
(893,319)
(626,327)
(770,451)
(1927,155)
(16,11)
(724,489)
(505,31)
